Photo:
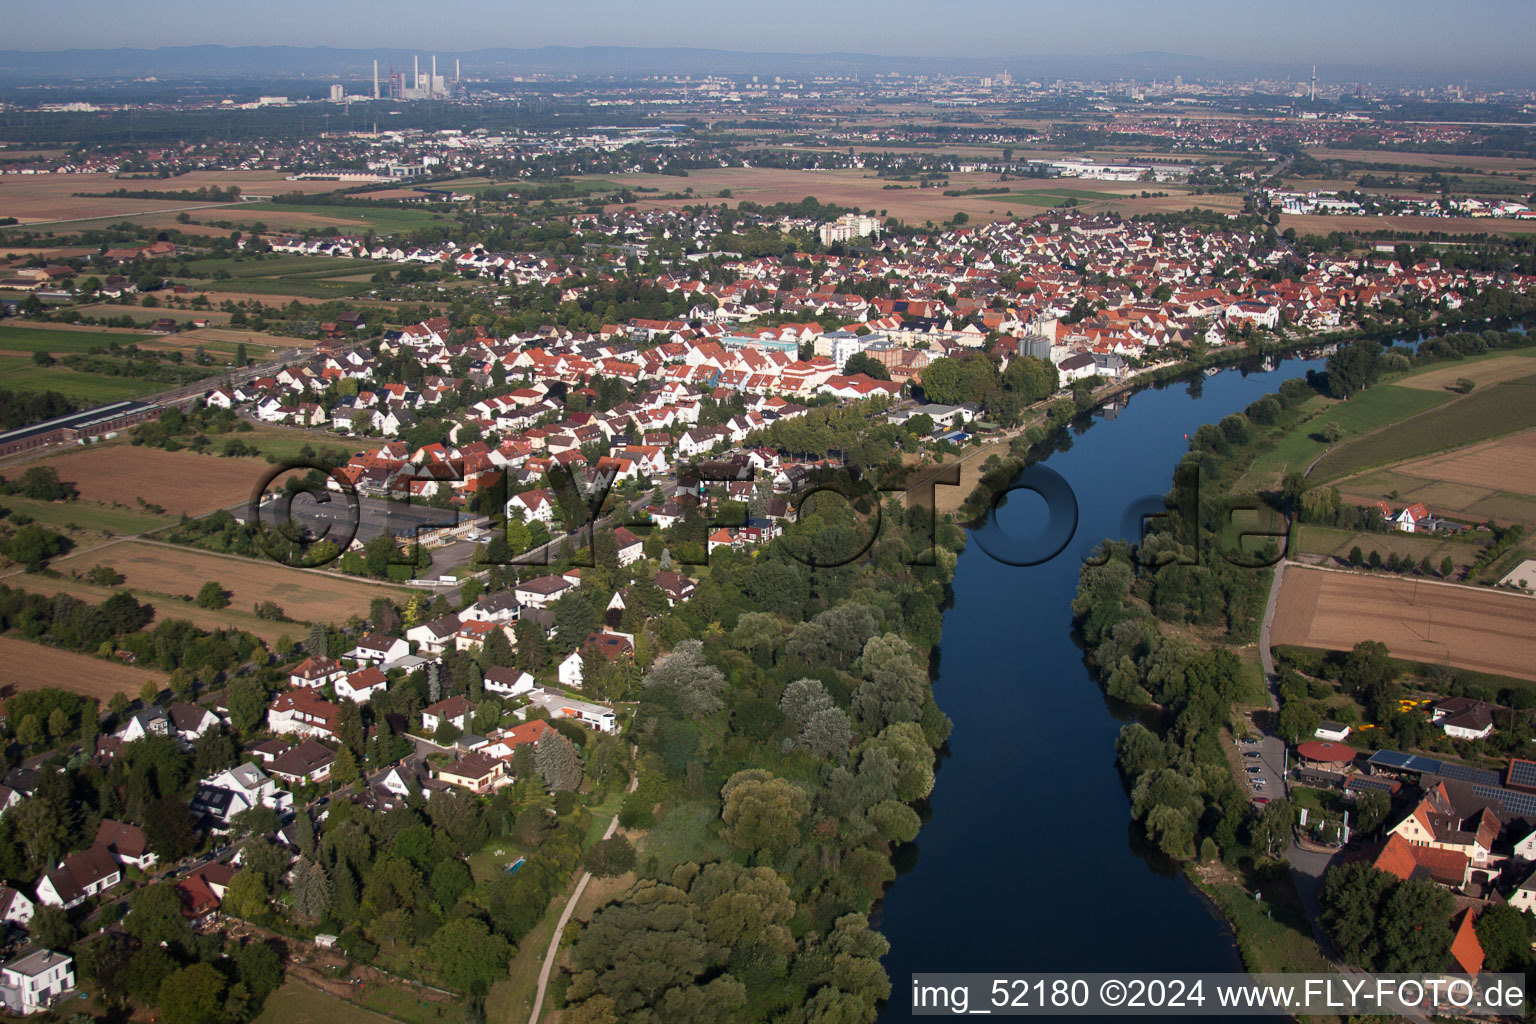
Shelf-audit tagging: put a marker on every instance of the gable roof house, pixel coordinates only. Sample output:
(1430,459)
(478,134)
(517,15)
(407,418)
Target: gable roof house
(303,712)
(315,671)
(436,636)
(476,772)
(455,709)
(127,843)
(79,876)
(309,761)
(190,721)
(361,685)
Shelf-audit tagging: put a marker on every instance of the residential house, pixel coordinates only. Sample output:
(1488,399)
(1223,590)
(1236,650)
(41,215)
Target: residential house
(1464,718)
(221,796)
(308,762)
(202,891)
(543,590)
(1404,860)
(127,843)
(149,722)
(379,649)
(476,772)
(15,907)
(33,982)
(436,636)
(79,876)
(676,586)
(191,721)
(559,705)
(605,643)
(314,672)
(507,682)
(1436,823)
(631,548)
(303,712)
(455,710)
(361,685)
(500,607)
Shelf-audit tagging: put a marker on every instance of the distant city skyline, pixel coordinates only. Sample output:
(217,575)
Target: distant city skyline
(1482,35)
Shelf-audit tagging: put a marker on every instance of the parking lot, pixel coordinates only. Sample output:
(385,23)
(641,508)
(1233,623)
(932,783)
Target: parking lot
(341,517)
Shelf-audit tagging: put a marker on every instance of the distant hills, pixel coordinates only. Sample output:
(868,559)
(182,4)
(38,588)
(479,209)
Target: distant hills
(325,62)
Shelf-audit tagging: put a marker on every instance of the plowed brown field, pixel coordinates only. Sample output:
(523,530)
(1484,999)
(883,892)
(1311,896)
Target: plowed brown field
(1464,627)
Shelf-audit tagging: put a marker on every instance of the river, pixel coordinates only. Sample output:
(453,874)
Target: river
(1027,859)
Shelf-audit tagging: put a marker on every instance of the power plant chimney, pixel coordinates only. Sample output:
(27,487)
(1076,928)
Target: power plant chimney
(375,79)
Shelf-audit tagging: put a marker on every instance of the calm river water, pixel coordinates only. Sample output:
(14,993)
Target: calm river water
(1028,861)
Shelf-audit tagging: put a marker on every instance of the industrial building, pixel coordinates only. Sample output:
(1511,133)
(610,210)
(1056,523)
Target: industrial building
(431,86)
(77,427)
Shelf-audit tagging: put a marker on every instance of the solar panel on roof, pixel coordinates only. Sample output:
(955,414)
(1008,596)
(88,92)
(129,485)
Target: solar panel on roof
(1366,782)
(1462,772)
(1522,773)
(1515,802)
(1399,761)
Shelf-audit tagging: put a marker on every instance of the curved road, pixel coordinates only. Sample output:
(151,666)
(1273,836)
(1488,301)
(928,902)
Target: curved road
(565,917)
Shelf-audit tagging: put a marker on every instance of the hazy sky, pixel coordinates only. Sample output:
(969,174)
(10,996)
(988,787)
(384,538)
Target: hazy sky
(1355,32)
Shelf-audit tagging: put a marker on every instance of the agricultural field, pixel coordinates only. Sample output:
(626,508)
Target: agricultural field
(1366,412)
(87,515)
(1494,369)
(1493,480)
(862,190)
(119,475)
(1486,413)
(1436,623)
(20,373)
(1443,161)
(1310,542)
(60,340)
(161,569)
(29,666)
(352,219)
(43,198)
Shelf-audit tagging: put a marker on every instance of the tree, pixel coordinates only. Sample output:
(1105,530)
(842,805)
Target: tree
(149,693)
(246,895)
(50,927)
(1505,935)
(1332,432)
(32,545)
(1416,935)
(610,857)
(558,763)
(344,769)
(247,698)
(1447,567)
(212,595)
(154,917)
(193,995)
(1356,556)
(1351,902)
(468,957)
(29,733)
(312,889)
(762,812)
(862,362)
(685,674)
(1371,809)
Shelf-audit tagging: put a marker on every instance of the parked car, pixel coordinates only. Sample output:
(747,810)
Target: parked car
(1253,769)
(1253,753)
(1261,800)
